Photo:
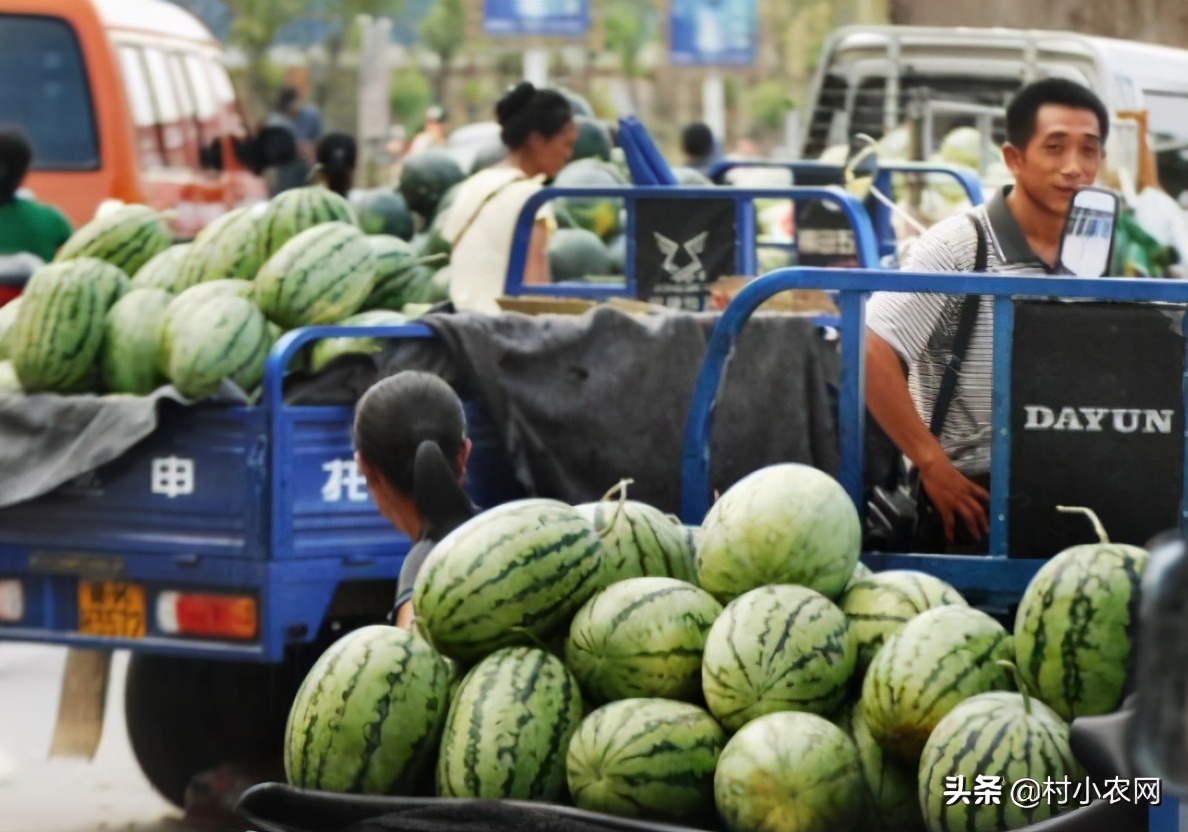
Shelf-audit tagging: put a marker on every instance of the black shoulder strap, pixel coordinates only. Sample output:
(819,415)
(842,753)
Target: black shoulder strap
(965,325)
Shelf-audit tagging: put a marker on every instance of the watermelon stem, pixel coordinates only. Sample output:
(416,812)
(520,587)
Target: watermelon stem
(432,259)
(1088,512)
(621,488)
(1019,683)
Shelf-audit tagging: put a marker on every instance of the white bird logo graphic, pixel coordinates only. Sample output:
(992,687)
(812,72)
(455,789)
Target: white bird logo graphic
(670,249)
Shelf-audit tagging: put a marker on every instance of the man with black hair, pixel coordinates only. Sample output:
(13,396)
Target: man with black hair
(697,143)
(25,224)
(1056,132)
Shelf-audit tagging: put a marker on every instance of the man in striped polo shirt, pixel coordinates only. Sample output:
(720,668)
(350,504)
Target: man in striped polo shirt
(1056,132)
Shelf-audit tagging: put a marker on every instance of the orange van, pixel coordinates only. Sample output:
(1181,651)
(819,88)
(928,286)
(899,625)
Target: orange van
(128,100)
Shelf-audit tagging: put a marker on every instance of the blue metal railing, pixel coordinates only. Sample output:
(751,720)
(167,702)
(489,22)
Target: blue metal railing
(866,248)
(853,287)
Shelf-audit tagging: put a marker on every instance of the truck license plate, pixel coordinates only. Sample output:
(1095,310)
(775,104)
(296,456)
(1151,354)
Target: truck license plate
(111,608)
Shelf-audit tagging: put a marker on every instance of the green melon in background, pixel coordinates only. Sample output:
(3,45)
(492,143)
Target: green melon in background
(640,540)
(641,637)
(127,237)
(646,758)
(320,276)
(55,340)
(226,337)
(1074,626)
(881,604)
(132,339)
(937,660)
(509,727)
(8,315)
(369,715)
(293,211)
(514,574)
(790,772)
(164,271)
(783,524)
(575,253)
(1010,736)
(777,648)
(891,783)
(325,350)
(227,249)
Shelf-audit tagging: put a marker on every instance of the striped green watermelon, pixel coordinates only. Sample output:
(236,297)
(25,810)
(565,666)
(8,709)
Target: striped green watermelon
(882,603)
(641,637)
(320,276)
(368,717)
(186,304)
(163,271)
(9,383)
(1009,736)
(224,338)
(1074,626)
(512,574)
(127,237)
(783,524)
(228,248)
(509,728)
(777,648)
(790,772)
(296,210)
(58,332)
(639,540)
(8,315)
(646,758)
(326,350)
(132,339)
(938,659)
(395,264)
(891,783)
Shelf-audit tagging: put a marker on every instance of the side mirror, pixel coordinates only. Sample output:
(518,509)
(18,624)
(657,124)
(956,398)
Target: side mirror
(1087,244)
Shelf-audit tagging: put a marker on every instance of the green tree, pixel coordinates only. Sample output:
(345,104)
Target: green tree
(253,28)
(411,96)
(629,26)
(343,16)
(443,31)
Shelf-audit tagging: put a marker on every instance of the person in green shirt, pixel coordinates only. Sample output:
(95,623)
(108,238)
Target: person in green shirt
(25,224)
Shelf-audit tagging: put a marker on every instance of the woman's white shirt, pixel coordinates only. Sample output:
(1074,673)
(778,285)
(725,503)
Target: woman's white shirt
(478,263)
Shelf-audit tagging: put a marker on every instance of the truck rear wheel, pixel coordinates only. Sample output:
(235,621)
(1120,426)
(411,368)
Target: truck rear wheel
(188,715)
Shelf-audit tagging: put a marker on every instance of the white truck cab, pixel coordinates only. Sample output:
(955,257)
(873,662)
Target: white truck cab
(871,79)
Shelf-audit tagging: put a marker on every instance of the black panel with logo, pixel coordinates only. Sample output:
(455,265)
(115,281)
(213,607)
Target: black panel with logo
(683,245)
(1097,420)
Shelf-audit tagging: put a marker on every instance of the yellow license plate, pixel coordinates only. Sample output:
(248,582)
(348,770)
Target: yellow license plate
(111,608)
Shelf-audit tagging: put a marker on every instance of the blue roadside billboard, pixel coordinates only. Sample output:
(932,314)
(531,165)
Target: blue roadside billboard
(550,18)
(713,32)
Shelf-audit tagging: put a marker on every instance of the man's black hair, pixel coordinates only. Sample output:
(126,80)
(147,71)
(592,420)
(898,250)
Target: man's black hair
(16,154)
(697,140)
(1021,112)
(287,98)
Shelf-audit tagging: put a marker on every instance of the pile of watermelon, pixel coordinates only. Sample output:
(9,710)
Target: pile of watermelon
(124,310)
(745,675)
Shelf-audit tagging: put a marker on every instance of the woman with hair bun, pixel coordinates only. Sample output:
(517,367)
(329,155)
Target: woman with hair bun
(538,129)
(411,447)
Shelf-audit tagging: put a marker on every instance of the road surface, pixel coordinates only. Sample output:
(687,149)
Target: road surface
(107,794)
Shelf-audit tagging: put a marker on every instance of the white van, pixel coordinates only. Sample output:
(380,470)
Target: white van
(871,78)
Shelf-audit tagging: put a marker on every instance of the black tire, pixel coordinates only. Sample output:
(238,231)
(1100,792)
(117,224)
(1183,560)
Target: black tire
(187,715)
